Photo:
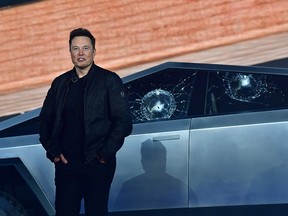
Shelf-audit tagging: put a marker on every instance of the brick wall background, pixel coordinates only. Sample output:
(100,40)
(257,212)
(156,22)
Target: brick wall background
(34,37)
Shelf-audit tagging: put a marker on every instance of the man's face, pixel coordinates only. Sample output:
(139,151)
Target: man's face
(82,52)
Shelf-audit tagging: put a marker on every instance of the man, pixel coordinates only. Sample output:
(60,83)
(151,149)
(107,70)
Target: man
(83,122)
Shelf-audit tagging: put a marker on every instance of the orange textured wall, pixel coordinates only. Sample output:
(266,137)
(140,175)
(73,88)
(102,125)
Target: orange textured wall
(34,37)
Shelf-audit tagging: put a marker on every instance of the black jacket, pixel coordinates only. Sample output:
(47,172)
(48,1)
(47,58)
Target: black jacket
(107,116)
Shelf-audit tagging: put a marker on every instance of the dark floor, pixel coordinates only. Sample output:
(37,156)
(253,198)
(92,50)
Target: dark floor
(259,210)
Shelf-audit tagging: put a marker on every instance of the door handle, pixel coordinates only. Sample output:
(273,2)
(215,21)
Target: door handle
(164,138)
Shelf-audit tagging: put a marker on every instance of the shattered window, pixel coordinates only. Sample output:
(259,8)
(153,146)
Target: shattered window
(230,92)
(162,95)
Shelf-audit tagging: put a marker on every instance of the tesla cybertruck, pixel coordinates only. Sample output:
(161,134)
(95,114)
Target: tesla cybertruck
(204,135)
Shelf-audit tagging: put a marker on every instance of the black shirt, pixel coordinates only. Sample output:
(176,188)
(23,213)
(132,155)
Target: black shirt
(72,136)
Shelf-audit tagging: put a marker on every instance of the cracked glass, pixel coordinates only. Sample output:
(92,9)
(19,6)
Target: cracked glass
(162,95)
(230,92)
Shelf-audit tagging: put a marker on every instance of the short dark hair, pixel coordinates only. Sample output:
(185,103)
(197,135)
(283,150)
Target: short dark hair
(81,32)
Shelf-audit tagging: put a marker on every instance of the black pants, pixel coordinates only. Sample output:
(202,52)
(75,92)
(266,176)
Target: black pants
(77,180)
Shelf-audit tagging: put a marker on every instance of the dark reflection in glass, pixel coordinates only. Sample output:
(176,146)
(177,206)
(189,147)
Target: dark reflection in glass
(154,188)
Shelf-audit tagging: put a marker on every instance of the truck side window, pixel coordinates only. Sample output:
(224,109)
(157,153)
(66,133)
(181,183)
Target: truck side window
(161,95)
(233,92)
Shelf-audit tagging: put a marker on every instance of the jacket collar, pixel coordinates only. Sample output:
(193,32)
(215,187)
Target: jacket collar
(74,77)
